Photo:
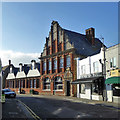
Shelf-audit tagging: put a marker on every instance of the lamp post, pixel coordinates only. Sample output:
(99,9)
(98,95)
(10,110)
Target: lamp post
(104,70)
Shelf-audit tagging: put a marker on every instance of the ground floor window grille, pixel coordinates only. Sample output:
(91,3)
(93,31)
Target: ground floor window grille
(46,84)
(58,83)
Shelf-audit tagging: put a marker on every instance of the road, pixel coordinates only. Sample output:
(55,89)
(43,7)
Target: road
(61,108)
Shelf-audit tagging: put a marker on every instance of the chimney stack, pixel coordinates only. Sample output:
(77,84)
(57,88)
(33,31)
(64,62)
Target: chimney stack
(90,35)
(9,62)
(20,67)
(33,64)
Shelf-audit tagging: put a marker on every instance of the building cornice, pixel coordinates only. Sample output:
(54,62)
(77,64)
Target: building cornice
(58,53)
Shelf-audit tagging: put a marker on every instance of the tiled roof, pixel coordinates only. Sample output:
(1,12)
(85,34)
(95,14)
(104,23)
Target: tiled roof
(82,45)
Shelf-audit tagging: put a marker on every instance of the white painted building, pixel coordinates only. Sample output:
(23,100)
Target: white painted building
(90,80)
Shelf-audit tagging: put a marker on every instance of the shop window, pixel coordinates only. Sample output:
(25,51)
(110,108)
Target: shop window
(68,61)
(83,69)
(83,88)
(116,90)
(58,85)
(113,62)
(46,84)
(95,67)
(95,88)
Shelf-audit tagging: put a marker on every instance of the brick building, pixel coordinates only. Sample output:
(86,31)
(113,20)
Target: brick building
(57,61)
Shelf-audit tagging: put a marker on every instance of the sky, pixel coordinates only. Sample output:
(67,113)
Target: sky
(25,25)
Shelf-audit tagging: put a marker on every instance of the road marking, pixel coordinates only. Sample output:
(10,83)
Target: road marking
(13,113)
(30,111)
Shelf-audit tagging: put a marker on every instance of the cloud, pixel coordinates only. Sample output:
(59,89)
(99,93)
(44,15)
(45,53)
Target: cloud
(17,57)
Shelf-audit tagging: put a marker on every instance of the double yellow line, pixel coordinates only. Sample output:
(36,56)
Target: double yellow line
(30,111)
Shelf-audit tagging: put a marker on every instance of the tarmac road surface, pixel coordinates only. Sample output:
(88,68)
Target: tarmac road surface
(53,108)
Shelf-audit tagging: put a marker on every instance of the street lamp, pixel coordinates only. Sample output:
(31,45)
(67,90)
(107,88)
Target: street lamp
(104,70)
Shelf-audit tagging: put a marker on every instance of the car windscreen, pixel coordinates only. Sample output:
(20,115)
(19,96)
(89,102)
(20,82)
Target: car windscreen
(7,90)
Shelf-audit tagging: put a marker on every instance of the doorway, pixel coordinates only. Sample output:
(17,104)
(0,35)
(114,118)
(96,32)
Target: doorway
(68,88)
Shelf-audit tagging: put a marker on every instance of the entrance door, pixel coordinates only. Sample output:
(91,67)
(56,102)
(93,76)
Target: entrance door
(68,88)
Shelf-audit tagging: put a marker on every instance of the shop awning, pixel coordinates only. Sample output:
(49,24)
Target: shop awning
(85,80)
(113,80)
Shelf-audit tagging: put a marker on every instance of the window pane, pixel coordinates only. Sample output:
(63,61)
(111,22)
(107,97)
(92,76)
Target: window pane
(83,69)
(55,64)
(114,62)
(68,61)
(58,83)
(61,62)
(49,65)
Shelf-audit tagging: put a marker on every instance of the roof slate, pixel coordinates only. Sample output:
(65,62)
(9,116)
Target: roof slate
(82,45)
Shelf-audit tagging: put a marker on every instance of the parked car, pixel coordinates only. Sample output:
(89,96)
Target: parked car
(9,93)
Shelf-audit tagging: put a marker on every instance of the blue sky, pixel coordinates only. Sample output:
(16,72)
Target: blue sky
(25,25)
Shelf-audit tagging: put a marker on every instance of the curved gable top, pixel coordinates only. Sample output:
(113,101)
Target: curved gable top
(33,73)
(21,75)
(10,76)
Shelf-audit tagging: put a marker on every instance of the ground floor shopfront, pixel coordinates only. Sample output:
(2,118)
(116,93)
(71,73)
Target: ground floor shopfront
(113,89)
(54,84)
(90,88)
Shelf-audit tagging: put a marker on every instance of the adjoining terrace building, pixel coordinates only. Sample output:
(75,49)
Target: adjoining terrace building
(57,61)
(113,73)
(90,79)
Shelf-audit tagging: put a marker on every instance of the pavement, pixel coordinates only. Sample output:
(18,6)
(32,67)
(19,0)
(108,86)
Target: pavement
(13,109)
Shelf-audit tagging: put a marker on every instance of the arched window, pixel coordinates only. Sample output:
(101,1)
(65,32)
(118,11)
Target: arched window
(58,83)
(46,84)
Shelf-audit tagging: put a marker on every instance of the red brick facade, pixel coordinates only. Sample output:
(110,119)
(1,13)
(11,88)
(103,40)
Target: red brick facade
(55,76)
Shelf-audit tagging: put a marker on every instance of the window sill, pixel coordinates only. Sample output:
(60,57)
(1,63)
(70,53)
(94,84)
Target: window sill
(57,90)
(46,90)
